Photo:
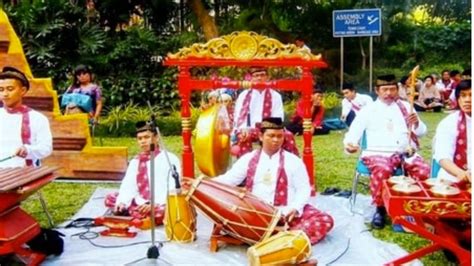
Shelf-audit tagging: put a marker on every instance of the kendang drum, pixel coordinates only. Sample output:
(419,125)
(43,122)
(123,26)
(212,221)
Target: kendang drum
(180,219)
(239,213)
(290,247)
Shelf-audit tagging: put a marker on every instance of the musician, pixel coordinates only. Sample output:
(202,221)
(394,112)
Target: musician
(387,123)
(317,116)
(133,197)
(278,177)
(352,103)
(250,107)
(452,145)
(25,136)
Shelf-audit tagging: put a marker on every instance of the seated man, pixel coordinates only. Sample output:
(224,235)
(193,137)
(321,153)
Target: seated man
(352,103)
(25,136)
(317,116)
(250,107)
(277,177)
(391,131)
(452,147)
(133,197)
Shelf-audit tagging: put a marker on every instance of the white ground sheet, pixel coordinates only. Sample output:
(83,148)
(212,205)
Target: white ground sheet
(349,232)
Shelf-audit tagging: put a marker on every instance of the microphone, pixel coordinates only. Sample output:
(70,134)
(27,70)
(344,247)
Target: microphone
(175,175)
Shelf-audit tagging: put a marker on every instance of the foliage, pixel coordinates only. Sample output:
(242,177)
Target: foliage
(333,168)
(123,43)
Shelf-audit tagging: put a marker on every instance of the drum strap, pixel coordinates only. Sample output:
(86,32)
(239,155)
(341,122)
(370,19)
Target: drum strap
(142,175)
(281,191)
(460,154)
(25,125)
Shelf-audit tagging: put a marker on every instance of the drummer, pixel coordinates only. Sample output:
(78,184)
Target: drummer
(25,136)
(386,124)
(276,176)
(133,197)
(452,145)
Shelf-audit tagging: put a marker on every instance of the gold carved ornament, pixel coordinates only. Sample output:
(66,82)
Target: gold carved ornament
(244,45)
(437,207)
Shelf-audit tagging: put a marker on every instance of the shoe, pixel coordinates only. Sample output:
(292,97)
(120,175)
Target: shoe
(330,191)
(378,221)
(344,194)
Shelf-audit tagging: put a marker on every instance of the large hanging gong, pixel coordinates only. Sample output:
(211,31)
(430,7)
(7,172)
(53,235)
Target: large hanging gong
(212,145)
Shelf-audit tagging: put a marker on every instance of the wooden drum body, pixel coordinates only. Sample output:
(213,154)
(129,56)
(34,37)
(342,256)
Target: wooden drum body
(241,214)
(180,219)
(16,226)
(290,247)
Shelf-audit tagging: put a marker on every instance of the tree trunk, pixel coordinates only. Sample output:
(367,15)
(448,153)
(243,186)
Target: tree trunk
(362,53)
(207,23)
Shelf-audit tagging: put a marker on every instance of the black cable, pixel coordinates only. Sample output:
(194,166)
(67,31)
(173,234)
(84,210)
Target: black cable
(89,235)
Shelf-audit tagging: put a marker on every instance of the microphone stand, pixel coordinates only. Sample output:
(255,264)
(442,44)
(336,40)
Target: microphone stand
(153,251)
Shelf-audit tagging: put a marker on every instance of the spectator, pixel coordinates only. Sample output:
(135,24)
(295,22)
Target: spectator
(352,103)
(83,96)
(429,98)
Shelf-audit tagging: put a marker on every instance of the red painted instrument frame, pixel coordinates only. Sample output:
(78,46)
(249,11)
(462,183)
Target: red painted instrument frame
(418,206)
(186,84)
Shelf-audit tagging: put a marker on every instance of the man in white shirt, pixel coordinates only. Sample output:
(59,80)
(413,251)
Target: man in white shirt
(133,197)
(25,136)
(452,146)
(352,103)
(279,178)
(390,132)
(250,107)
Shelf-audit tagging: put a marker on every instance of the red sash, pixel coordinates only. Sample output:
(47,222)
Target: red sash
(404,111)
(267,103)
(460,153)
(25,125)
(142,175)
(354,106)
(245,108)
(281,191)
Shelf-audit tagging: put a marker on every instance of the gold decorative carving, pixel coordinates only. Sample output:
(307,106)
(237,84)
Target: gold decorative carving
(186,123)
(244,45)
(307,124)
(437,207)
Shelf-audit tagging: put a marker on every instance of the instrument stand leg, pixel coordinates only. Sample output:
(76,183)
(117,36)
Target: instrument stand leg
(45,208)
(439,240)
(217,236)
(29,257)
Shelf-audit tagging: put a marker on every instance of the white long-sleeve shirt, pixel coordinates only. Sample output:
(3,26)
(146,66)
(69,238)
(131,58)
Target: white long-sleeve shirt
(129,187)
(385,128)
(256,107)
(445,142)
(299,189)
(10,138)
(360,100)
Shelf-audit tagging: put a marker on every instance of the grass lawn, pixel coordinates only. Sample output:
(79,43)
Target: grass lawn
(333,169)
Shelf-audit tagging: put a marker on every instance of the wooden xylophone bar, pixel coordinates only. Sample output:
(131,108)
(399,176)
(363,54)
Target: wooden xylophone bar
(15,178)
(16,226)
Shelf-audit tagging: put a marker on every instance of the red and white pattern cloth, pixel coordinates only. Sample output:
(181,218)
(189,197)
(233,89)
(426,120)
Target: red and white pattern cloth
(111,199)
(315,223)
(25,125)
(383,167)
(143,189)
(289,143)
(460,153)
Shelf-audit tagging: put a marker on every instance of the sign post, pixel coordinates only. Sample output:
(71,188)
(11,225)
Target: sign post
(357,23)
